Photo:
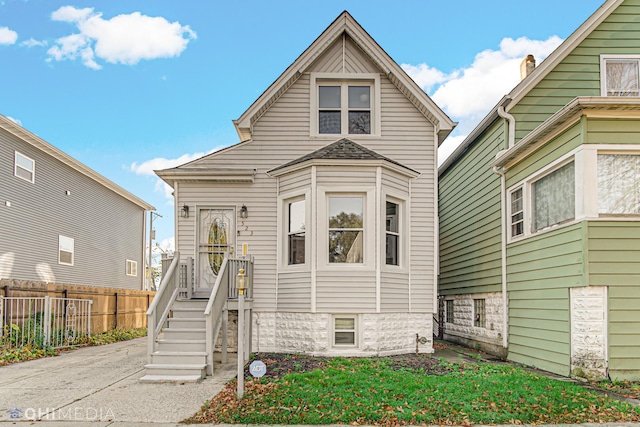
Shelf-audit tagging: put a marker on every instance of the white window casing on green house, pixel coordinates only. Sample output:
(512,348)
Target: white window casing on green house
(517,212)
(24,167)
(553,198)
(344,104)
(66,250)
(620,75)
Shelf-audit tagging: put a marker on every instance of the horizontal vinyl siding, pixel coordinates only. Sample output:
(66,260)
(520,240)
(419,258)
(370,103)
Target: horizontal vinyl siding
(107,229)
(579,73)
(296,182)
(611,131)
(294,292)
(540,271)
(346,291)
(281,135)
(394,292)
(470,230)
(614,261)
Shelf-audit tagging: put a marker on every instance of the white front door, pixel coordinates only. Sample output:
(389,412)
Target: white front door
(216,238)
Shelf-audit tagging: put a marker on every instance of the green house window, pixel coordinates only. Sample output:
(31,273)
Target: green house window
(619,184)
(622,77)
(554,197)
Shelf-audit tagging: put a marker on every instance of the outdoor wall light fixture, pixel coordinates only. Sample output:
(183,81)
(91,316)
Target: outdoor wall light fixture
(244,212)
(184,212)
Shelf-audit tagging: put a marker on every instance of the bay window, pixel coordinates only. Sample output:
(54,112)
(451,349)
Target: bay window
(554,197)
(619,184)
(392,230)
(296,231)
(346,229)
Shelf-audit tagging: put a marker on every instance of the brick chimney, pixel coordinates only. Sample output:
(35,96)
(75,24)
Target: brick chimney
(527,66)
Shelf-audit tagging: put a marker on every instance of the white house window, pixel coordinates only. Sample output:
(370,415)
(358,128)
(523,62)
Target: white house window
(619,184)
(392,233)
(344,108)
(344,331)
(24,167)
(346,229)
(65,250)
(132,268)
(296,231)
(554,197)
(517,213)
(621,76)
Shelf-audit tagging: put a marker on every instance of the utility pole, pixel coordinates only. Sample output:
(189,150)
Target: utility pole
(151,236)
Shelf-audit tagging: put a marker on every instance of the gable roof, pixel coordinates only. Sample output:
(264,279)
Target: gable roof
(539,73)
(341,150)
(40,144)
(345,23)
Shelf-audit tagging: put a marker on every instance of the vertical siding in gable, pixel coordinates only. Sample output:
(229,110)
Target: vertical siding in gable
(343,58)
(614,261)
(107,229)
(579,73)
(470,227)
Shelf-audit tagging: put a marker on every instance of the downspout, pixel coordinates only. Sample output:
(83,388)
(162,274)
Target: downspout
(511,123)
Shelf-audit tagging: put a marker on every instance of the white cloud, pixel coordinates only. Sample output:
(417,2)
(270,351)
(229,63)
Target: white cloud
(148,167)
(7,36)
(124,39)
(167,245)
(33,43)
(16,121)
(468,94)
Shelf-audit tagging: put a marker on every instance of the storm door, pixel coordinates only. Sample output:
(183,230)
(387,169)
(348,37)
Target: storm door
(216,238)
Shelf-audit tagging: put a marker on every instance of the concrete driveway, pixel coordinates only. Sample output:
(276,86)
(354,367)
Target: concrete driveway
(99,385)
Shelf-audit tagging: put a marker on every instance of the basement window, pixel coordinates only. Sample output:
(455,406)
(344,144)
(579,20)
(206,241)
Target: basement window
(479,315)
(449,311)
(344,331)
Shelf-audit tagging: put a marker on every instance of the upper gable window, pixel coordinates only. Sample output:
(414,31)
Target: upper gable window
(24,167)
(620,75)
(344,104)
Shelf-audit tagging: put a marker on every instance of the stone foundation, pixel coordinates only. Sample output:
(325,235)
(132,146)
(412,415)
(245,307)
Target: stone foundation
(588,332)
(463,331)
(377,334)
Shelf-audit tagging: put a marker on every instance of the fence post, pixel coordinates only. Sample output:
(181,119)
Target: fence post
(1,316)
(46,321)
(116,321)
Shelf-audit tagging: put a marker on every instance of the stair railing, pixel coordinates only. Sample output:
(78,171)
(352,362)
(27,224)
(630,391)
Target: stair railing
(213,313)
(158,311)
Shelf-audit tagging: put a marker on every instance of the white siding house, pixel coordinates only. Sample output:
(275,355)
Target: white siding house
(333,190)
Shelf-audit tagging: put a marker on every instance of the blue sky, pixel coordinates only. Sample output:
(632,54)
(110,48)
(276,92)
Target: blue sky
(130,86)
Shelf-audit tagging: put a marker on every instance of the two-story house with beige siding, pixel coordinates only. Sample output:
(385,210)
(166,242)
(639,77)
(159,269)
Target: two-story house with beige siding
(61,222)
(540,211)
(332,191)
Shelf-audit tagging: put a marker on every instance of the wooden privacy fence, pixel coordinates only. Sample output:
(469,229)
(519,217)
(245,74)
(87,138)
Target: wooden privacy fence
(111,308)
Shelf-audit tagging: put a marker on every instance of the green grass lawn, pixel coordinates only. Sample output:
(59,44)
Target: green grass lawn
(376,391)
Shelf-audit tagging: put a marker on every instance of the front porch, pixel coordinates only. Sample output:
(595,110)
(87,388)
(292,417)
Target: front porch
(185,321)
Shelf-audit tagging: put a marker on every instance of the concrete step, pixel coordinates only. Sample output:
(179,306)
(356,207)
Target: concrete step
(180,345)
(184,333)
(178,357)
(170,369)
(179,379)
(187,323)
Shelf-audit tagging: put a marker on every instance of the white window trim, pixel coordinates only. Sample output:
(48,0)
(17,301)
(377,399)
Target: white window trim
(526,184)
(368,249)
(133,269)
(318,79)
(356,330)
(610,150)
(603,69)
(510,211)
(73,251)
(16,166)
(403,231)
(283,249)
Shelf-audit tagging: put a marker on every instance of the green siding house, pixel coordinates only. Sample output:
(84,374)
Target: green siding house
(540,257)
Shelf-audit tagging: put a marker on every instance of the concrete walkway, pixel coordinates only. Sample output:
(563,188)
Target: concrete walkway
(99,386)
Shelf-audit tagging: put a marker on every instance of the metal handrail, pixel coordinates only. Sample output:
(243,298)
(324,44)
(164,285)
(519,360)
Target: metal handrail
(163,299)
(215,306)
